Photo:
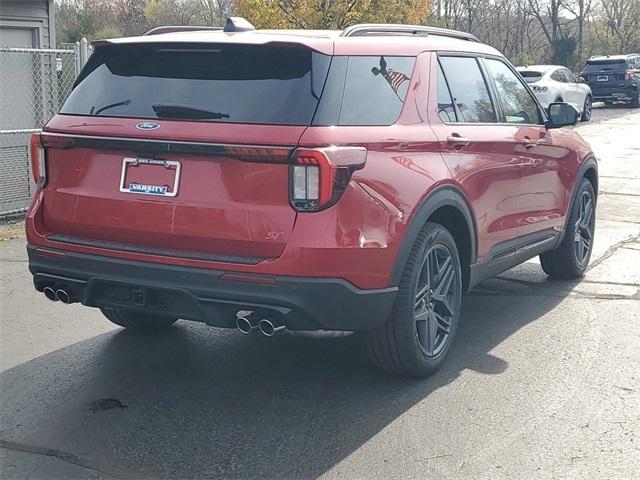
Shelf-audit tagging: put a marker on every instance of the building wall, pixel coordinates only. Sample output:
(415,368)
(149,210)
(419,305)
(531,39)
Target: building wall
(27,23)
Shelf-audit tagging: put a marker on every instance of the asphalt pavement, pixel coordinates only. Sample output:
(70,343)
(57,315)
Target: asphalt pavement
(542,383)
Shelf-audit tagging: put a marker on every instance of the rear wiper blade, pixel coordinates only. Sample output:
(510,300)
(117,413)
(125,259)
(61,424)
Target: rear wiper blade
(183,111)
(93,110)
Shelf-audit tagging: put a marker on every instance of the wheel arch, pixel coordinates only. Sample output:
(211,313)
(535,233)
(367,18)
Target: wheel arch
(447,206)
(588,169)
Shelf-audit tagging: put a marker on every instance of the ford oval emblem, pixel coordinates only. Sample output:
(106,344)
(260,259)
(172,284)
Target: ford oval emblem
(148,126)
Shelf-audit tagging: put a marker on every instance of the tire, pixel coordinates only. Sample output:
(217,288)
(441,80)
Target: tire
(571,258)
(139,322)
(635,102)
(587,109)
(417,337)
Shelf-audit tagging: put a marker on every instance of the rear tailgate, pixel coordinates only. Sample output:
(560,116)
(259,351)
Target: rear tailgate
(605,76)
(175,152)
(229,199)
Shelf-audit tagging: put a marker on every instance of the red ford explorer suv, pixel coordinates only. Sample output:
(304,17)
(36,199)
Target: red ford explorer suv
(356,180)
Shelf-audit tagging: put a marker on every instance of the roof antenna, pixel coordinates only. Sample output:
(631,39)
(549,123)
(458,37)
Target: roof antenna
(237,24)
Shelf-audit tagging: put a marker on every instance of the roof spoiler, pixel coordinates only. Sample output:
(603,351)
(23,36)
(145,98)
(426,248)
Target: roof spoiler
(371,29)
(233,24)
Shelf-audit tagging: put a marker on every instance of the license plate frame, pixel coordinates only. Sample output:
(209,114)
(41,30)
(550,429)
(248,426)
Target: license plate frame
(149,189)
(602,78)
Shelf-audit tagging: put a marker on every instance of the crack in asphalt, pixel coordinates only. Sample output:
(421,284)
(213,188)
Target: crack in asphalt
(110,470)
(604,192)
(611,250)
(555,294)
(619,177)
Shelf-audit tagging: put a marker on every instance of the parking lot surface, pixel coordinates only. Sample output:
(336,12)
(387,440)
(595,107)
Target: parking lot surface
(543,381)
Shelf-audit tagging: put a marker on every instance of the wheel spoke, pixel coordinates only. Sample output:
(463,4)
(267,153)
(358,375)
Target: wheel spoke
(422,334)
(585,219)
(443,270)
(422,315)
(432,329)
(443,323)
(421,295)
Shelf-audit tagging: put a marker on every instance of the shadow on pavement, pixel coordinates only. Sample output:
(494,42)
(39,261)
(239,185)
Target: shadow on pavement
(200,402)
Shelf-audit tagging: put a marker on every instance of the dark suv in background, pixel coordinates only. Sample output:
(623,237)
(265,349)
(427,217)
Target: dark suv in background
(614,78)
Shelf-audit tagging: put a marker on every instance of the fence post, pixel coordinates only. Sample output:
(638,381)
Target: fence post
(76,52)
(84,51)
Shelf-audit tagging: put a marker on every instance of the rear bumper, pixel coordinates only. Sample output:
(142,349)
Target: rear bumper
(206,295)
(614,93)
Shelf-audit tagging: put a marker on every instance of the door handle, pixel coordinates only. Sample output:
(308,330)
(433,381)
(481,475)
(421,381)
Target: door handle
(457,141)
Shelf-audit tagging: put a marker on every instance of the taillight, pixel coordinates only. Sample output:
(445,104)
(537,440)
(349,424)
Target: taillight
(319,177)
(38,161)
(628,75)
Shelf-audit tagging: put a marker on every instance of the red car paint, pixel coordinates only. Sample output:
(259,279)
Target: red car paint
(241,208)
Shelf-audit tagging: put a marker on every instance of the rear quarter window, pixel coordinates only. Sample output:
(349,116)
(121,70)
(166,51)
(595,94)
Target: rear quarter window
(365,90)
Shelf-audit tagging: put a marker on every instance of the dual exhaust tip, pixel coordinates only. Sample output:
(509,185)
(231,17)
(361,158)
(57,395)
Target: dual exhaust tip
(60,294)
(246,323)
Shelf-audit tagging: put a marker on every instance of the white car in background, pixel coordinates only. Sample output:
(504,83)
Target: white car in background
(554,83)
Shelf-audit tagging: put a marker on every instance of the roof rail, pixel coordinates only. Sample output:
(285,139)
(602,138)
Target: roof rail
(178,28)
(366,29)
(233,24)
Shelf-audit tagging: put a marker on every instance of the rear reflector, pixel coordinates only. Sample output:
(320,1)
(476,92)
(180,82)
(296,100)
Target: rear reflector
(38,161)
(244,278)
(320,176)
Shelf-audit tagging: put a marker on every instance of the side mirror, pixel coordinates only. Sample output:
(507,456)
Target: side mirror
(561,115)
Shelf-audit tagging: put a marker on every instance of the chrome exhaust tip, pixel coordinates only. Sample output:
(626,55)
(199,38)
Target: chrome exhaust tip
(269,329)
(50,293)
(244,323)
(63,296)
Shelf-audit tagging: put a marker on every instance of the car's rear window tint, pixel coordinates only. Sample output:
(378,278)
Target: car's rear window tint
(601,65)
(222,83)
(531,76)
(365,90)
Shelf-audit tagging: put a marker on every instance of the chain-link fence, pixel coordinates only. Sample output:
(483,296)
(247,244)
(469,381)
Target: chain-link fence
(34,83)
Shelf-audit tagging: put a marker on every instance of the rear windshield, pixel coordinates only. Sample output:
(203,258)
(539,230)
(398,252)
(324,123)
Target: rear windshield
(222,83)
(531,76)
(602,65)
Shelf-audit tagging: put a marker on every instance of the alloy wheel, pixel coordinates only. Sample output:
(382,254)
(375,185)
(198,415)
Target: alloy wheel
(433,307)
(583,239)
(588,108)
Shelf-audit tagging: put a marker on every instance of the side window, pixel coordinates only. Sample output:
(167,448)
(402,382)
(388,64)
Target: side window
(569,76)
(517,103)
(446,110)
(557,76)
(468,89)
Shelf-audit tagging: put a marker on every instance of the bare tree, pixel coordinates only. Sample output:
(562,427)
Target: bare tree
(581,9)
